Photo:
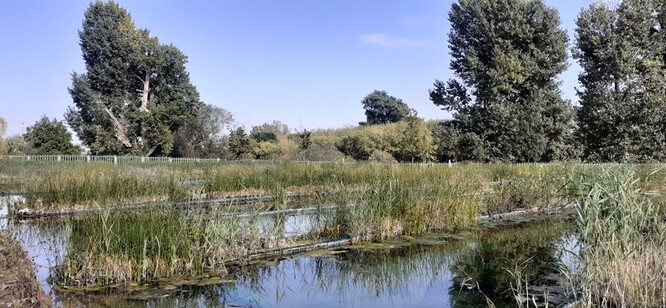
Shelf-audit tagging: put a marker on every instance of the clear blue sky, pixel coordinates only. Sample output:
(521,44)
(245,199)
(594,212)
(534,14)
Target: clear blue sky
(306,63)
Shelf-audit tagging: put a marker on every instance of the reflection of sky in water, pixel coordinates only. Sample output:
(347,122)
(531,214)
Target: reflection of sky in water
(417,276)
(569,250)
(301,283)
(289,226)
(371,279)
(45,243)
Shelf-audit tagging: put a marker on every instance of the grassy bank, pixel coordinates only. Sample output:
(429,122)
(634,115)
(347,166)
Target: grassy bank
(621,215)
(622,228)
(18,285)
(143,247)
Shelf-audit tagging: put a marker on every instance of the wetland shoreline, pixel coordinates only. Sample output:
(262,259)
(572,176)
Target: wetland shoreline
(18,285)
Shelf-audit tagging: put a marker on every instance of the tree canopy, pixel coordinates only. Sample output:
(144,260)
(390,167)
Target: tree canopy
(50,137)
(240,144)
(136,92)
(206,135)
(506,102)
(622,50)
(381,108)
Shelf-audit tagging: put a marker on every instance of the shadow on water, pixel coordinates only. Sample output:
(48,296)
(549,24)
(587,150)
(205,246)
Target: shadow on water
(432,271)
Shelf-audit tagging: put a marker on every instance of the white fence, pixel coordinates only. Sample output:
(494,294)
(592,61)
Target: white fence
(144,159)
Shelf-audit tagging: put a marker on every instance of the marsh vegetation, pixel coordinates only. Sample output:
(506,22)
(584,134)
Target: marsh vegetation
(180,236)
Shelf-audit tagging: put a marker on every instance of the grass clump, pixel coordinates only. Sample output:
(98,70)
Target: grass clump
(622,234)
(113,249)
(398,205)
(84,185)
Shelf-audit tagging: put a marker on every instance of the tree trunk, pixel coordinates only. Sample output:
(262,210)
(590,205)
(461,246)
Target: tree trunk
(152,150)
(144,93)
(119,129)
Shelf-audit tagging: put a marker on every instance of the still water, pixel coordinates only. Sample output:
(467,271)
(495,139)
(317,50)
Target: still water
(436,270)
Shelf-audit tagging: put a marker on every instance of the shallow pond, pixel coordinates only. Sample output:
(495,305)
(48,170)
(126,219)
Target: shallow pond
(435,270)
(7,201)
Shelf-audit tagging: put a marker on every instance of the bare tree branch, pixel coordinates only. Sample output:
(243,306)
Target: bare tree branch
(144,93)
(118,127)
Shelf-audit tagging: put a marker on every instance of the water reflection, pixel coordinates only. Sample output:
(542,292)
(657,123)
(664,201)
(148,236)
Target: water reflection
(7,201)
(411,276)
(46,243)
(505,263)
(431,273)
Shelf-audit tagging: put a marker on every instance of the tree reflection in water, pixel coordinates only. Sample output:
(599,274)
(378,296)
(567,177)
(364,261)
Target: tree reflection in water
(493,265)
(429,274)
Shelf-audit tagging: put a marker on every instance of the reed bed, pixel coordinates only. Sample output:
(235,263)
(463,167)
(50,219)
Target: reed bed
(92,185)
(622,229)
(142,248)
(373,202)
(392,209)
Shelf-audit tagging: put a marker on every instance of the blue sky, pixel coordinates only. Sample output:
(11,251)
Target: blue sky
(306,63)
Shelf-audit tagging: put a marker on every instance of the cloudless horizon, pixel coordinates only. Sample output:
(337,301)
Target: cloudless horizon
(305,63)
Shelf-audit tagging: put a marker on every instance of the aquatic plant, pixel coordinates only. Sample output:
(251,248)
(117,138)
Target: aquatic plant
(142,247)
(81,185)
(622,231)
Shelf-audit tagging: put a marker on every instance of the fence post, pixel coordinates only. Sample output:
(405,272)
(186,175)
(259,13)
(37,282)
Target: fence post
(28,157)
(59,158)
(87,158)
(143,159)
(115,160)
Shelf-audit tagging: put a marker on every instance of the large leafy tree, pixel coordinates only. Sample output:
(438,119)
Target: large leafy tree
(240,144)
(415,142)
(381,108)
(506,102)
(206,135)
(50,137)
(623,96)
(135,93)
(269,132)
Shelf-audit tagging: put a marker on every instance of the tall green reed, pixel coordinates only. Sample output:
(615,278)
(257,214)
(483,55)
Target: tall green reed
(622,230)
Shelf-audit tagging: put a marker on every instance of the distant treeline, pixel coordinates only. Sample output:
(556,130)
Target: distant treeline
(505,102)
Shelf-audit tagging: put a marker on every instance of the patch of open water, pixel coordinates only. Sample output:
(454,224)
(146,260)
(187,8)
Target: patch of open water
(7,201)
(433,271)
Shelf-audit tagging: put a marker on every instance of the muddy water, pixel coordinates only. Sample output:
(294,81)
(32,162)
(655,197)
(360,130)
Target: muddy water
(436,270)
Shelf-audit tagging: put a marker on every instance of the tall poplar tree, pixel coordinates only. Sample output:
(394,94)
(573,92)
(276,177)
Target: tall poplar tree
(135,93)
(621,49)
(506,102)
